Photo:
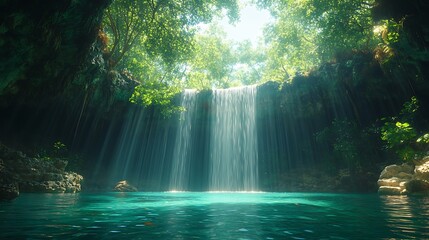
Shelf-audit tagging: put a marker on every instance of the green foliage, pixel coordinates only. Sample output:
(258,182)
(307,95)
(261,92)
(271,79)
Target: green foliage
(398,49)
(423,139)
(308,32)
(59,149)
(152,40)
(351,146)
(159,28)
(157,94)
(220,63)
(155,41)
(409,109)
(250,64)
(56,150)
(390,34)
(399,134)
(391,30)
(345,146)
(212,61)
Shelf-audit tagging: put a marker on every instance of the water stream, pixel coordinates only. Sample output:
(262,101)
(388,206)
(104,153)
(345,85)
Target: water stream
(211,146)
(180,170)
(233,152)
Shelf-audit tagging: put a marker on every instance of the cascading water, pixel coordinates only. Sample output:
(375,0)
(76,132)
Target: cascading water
(212,146)
(233,163)
(180,169)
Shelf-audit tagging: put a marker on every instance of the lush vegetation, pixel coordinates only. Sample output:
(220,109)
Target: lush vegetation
(400,135)
(158,40)
(308,33)
(158,43)
(153,40)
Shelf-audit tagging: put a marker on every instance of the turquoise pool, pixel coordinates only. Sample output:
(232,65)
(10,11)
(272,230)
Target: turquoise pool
(186,215)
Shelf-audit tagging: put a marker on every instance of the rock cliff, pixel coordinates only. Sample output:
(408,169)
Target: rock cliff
(19,173)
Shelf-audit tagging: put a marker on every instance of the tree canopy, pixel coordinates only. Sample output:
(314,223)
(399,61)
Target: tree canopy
(151,39)
(309,32)
(158,27)
(218,62)
(159,43)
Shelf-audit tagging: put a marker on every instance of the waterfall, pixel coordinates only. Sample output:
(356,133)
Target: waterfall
(233,163)
(212,145)
(180,169)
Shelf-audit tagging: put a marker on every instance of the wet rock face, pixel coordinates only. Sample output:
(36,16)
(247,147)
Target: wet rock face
(43,45)
(404,179)
(21,173)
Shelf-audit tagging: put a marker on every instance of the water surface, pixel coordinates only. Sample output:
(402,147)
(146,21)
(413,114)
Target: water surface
(184,215)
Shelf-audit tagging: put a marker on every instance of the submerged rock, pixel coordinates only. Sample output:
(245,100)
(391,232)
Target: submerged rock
(393,179)
(124,186)
(404,179)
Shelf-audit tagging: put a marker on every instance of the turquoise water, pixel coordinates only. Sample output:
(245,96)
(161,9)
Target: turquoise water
(214,216)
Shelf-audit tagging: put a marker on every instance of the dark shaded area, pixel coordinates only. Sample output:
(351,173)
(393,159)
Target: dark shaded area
(43,45)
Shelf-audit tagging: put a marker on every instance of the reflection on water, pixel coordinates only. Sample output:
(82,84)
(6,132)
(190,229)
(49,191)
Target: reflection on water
(214,216)
(405,214)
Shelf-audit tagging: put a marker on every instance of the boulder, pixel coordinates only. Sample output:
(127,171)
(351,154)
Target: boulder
(393,179)
(73,182)
(417,186)
(421,172)
(124,186)
(405,179)
(394,170)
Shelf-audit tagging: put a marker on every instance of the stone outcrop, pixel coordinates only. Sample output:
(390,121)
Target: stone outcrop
(422,170)
(404,179)
(20,173)
(124,186)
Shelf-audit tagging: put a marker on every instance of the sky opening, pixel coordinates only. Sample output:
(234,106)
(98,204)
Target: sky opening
(250,25)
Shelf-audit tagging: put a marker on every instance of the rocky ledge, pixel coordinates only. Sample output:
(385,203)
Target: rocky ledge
(19,173)
(405,178)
